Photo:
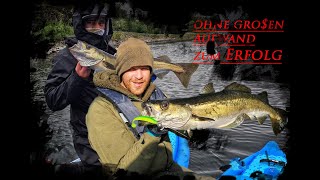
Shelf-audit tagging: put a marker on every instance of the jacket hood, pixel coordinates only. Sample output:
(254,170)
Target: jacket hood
(82,34)
(109,79)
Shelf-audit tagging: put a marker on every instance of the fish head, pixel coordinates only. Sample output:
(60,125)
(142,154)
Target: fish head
(86,54)
(167,114)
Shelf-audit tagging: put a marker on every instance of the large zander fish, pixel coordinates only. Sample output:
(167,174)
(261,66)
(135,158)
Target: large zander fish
(98,60)
(224,109)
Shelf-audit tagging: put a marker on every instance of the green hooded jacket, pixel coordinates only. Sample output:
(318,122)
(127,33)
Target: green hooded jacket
(116,145)
(112,139)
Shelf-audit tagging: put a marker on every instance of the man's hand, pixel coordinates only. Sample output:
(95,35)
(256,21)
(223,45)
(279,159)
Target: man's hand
(83,71)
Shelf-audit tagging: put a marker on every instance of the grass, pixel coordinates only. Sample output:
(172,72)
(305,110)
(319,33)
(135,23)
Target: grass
(120,36)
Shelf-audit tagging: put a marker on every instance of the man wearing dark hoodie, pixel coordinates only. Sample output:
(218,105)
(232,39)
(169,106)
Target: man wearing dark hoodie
(69,83)
(123,150)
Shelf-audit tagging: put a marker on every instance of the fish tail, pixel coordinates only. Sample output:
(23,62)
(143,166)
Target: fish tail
(189,69)
(282,113)
(161,75)
(279,122)
(276,126)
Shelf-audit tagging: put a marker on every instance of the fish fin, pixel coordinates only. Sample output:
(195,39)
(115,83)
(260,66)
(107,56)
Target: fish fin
(237,87)
(189,69)
(262,119)
(238,121)
(263,96)
(208,89)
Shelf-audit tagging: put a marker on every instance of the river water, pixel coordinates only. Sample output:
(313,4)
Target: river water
(207,154)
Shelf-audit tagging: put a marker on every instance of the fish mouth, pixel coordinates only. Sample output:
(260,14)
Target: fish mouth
(147,110)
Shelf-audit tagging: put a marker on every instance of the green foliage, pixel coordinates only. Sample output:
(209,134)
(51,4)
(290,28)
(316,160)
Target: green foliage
(50,24)
(54,31)
(189,36)
(118,35)
(45,13)
(130,25)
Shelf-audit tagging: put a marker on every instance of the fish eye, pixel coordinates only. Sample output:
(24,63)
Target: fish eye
(164,105)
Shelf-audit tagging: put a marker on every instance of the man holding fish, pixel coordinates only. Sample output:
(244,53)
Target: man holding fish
(70,80)
(69,83)
(122,149)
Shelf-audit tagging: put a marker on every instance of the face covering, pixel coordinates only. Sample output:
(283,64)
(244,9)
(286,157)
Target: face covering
(96,31)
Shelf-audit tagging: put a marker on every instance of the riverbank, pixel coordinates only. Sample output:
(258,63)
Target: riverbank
(120,36)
